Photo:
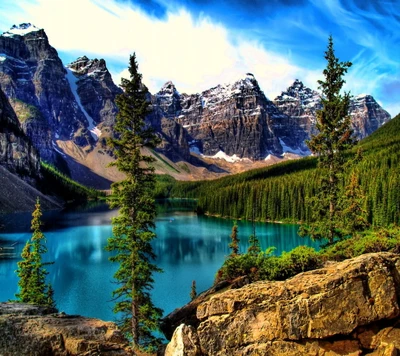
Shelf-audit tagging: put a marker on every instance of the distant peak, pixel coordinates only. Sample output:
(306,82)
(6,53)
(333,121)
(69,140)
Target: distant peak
(168,89)
(297,84)
(21,30)
(248,81)
(362,96)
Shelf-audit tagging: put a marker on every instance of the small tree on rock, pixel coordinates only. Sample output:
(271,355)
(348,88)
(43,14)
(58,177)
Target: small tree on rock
(234,245)
(31,270)
(254,248)
(193,291)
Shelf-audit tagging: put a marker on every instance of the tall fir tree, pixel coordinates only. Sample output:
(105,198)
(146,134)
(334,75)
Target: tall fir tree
(132,228)
(31,270)
(334,137)
(234,245)
(352,212)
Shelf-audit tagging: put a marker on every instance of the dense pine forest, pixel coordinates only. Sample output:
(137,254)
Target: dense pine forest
(281,192)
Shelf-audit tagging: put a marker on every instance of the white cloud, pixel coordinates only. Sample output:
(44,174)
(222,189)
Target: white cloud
(194,53)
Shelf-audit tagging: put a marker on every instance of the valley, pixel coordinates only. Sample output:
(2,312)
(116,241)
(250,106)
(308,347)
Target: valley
(307,183)
(68,110)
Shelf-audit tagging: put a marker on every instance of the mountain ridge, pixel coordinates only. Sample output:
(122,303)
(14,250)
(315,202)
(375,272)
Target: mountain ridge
(223,126)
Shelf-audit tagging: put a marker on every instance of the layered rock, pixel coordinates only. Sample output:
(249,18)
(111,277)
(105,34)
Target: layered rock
(346,308)
(240,121)
(231,118)
(32,74)
(19,166)
(299,105)
(366,115)
(31,330)
(96,90)
(16,152)
(174,138)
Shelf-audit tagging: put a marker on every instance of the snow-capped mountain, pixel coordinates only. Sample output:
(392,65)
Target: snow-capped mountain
(34,79)
(68,111)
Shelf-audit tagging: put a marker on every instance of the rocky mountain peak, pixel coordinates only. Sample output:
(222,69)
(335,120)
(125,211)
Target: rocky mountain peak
(168,89)
(21,30)
(90,67)
(299,92)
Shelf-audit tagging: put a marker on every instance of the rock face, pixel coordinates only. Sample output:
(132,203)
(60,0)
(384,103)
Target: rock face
(31,330)
(367,115)
(300,105)
(96,90)
(346,308)
(238,119)
(230,118)
(19,165)
(32,74)
(16,152)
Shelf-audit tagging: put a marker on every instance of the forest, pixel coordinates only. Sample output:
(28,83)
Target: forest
(281,192)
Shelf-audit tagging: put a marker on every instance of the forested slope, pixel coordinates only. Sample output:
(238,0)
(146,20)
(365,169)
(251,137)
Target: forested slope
(280,192)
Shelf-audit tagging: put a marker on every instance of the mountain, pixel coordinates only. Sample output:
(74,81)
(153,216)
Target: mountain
(34,78)
(237,121)
(232,118)
(300,105)
(19,165)
(69,111)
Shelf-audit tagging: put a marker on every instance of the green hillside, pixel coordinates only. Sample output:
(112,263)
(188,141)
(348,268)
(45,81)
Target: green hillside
(280,192)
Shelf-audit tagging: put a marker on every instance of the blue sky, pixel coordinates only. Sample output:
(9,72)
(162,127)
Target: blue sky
(200,43)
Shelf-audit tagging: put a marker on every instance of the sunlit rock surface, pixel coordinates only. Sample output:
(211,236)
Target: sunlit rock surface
(346,308)
(30,330)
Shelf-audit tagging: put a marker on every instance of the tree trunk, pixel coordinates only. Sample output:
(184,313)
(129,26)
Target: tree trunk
(135,323)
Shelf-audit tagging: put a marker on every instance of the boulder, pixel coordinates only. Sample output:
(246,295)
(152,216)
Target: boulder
(32,330)
(346,308)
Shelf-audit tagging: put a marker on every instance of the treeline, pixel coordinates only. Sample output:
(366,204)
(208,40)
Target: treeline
(56,183)
(281,192)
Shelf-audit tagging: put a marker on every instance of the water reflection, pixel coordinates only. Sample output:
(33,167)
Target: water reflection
(189,247)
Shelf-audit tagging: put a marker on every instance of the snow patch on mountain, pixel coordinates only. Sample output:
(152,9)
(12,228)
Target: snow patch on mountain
(230,159)
(221,93)
(287,149)
(21,30)
(95,131)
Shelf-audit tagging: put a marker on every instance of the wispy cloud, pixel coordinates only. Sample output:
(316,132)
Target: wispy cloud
(201,44)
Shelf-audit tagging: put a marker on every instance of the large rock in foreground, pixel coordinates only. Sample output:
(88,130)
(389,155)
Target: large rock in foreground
(347,308)
(31,330)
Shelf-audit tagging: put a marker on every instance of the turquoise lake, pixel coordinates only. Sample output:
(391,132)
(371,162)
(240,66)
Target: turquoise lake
(188,247)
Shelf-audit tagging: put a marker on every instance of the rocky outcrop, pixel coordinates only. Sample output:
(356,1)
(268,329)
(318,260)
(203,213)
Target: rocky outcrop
(31,330)
(346,308)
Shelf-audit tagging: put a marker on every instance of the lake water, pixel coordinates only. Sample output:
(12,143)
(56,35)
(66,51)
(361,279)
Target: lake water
(188,247)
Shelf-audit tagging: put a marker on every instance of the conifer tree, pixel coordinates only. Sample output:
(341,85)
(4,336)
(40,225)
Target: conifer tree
(254,248)
(333,138)
(132,228)
(193,291)
(234,245)
(354,216)
(31,270)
